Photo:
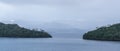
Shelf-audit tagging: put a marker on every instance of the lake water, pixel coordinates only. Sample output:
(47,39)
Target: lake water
(56,44)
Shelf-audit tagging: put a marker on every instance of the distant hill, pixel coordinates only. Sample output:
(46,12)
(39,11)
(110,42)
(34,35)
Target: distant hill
(110,33)
(15,31)
(60,30)
(66,33)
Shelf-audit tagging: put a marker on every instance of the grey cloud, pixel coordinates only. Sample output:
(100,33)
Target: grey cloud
(43,2)
(94,11)
(74,14)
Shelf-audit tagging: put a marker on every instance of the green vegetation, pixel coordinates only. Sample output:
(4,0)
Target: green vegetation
(15,31)
(109,33)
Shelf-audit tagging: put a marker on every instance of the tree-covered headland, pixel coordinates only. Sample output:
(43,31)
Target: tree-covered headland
(15,31)
(109,33)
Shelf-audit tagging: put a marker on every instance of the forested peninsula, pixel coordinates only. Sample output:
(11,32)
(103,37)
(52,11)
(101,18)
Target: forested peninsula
(107,33)
(15,31)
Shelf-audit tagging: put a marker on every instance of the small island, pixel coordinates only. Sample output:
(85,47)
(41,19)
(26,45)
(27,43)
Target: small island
(15,31)
(105,33)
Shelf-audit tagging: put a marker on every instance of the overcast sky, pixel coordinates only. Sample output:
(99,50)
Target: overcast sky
(81,14)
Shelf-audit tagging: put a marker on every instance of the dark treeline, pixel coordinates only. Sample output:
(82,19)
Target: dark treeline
(110,33)
(15,31)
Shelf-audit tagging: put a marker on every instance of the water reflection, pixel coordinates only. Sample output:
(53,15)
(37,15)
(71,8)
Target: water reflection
(57,44)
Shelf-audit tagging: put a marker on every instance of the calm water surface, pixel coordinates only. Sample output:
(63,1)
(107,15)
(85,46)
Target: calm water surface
(56,44)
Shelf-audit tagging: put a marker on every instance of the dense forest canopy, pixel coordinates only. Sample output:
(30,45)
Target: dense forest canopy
(14,30)
(111,33)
